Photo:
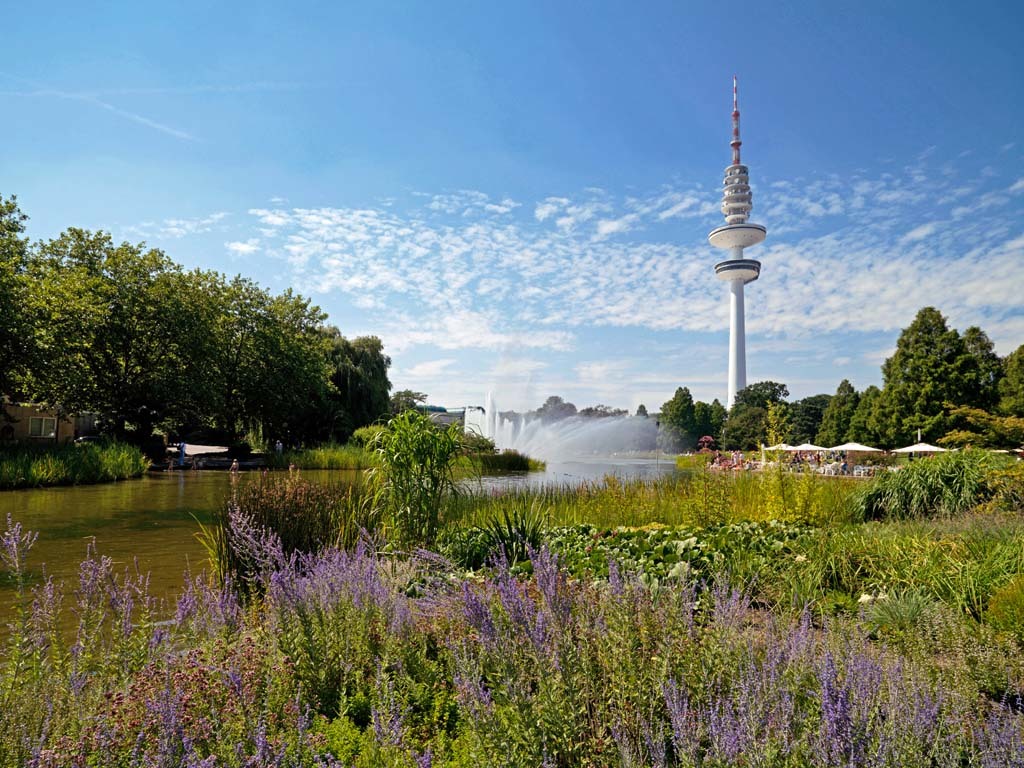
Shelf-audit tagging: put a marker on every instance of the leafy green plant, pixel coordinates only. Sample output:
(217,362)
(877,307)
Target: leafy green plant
(517,530)
(507,461)
(416,475)
(898,613)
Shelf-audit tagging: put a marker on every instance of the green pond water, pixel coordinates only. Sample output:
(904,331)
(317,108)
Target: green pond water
(152,520)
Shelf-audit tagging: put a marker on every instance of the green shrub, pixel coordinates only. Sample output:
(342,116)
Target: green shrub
(1006,607)
(278,517)
(518,529)
(899,613)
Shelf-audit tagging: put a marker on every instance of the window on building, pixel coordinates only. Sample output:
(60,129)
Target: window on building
(42,426)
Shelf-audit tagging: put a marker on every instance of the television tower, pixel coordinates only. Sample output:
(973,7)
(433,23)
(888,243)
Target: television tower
(736,235)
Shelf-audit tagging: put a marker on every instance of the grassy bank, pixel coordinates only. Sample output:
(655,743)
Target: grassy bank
(32,467)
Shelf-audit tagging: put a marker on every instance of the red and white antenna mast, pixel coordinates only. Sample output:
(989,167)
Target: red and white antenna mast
(735,143)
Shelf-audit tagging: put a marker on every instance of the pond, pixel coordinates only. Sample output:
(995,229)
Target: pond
(154,520)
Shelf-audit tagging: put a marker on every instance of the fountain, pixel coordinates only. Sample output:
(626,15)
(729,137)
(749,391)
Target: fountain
(572,438)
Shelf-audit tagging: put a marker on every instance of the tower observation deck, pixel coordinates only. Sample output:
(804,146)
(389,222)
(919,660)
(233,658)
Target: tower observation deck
(737,233)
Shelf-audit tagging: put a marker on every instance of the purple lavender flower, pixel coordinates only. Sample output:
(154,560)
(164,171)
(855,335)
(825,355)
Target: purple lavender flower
(15,545)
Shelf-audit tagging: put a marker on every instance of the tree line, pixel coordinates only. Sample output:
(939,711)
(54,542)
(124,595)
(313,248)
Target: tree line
(951,386)
(87,324)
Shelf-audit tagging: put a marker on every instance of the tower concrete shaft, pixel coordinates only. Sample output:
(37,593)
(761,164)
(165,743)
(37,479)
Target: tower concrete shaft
(737,341)
(737,234)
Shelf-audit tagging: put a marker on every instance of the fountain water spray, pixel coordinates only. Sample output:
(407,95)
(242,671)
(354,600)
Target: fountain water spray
(574,437)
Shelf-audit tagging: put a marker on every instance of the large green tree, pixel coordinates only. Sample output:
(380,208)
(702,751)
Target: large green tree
(746,427)
(933,366)
(556,409)
(984,369)
(359,387)
(16,335)
(678,422)
(114,330)
(272,359)
(835,421)
(708,419)
(1011,386)
(805,418)
(406,400)
(864,421)
(760,394)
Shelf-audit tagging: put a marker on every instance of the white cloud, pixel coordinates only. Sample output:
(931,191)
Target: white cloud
(919,233)
(516,367)
(549,207)
(1017,186)
(429,369)
(177,228)
(252,245)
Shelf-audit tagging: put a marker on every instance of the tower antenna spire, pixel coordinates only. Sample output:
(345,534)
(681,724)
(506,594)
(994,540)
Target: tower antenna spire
(735,143)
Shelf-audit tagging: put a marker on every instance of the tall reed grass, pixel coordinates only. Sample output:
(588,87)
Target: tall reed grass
(943,485)
(330,456)
(263,524)
(34,467)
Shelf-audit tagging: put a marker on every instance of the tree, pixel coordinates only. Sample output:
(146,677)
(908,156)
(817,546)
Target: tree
(984,370)
(406,400)
(746,428)
(1011,386)
(864,422)
(981,429)
(555,409)
(359,379)
(16,334)
(835,421)
(677,420)
(806,417)
(760,394)
(709,418)
(931,366)
(601,412)
(641,410)
(115,330)
(272,359)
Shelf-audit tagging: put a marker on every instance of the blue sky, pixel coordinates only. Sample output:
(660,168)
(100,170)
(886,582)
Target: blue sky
(516,198)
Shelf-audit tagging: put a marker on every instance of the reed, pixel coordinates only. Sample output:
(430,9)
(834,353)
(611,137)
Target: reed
(940,486)
(34,467)
(330,456)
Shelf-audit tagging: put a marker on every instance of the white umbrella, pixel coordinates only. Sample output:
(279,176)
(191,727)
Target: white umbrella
(780,447)
(855,447)
(920,448)
(807,447)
